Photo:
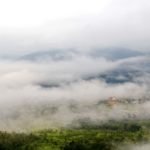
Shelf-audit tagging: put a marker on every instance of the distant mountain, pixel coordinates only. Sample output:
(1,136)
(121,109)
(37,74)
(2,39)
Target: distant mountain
(111,54)
(55,55)
(114,54)
(119,75)
(126,73)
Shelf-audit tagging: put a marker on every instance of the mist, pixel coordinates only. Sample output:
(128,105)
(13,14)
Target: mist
(59,59)
(41,92)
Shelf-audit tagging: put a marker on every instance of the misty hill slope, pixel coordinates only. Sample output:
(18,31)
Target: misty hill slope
(55,55)
(114,54)
(111,54)
(119,75)
(125,73)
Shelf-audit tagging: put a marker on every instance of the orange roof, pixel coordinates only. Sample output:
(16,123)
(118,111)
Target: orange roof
(112,102)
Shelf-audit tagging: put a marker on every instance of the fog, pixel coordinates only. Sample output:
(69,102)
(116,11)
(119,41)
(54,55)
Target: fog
(142,146)
(59,59)
(30,90)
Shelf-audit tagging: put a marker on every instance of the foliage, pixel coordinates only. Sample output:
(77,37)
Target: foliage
(71,139)
(82,133)
(17,141)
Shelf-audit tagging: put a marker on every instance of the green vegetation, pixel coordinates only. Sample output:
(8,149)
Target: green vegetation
(87,136)
(18,141)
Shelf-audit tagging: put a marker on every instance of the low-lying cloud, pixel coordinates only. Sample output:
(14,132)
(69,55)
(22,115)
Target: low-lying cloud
(27,87)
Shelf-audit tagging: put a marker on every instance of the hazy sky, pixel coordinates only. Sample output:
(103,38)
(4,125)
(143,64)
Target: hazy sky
(29,13)
(32,25)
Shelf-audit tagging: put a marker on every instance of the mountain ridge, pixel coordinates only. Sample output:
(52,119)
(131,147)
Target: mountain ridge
(111,54)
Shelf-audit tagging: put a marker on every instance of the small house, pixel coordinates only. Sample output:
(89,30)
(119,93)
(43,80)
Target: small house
(112,101)
(112,98)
